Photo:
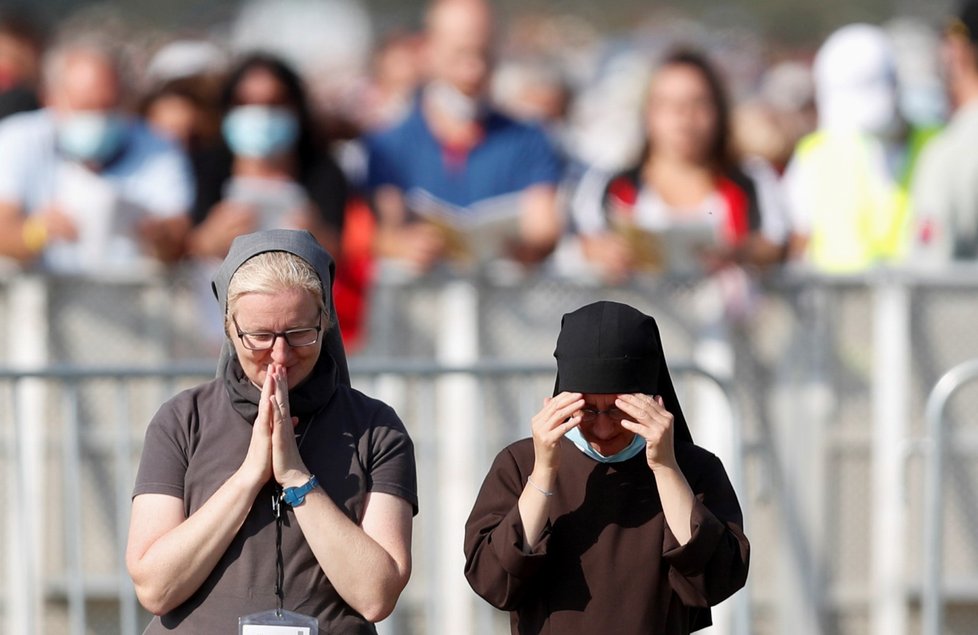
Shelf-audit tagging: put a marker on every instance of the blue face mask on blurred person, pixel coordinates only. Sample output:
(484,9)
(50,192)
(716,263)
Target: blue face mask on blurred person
(91,137)
(260,131)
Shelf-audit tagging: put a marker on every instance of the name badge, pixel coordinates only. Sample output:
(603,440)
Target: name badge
(276,622)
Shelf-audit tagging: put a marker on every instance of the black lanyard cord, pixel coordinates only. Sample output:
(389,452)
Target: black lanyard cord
(279,558)
(279,521)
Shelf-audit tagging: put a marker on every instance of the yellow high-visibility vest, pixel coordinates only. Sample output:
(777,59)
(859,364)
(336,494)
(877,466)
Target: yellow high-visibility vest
(862,215)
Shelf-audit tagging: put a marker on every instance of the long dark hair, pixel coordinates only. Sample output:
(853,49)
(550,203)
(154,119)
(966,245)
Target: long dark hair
(720,155)
(308,143)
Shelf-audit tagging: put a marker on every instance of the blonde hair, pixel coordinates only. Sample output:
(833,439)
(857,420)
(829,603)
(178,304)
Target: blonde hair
(272,272)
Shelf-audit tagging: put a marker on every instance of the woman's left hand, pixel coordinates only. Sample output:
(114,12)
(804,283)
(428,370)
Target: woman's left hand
(648,418)
(287,466)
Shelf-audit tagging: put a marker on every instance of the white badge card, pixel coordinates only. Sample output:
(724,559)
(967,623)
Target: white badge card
(277,623)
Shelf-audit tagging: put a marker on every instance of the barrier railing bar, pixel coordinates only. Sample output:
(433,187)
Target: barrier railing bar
(73,521)
(124,479)
(421,367)
(932,595)
(23,527)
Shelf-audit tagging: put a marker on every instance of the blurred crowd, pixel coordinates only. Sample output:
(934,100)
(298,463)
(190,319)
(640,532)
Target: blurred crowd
(464,142)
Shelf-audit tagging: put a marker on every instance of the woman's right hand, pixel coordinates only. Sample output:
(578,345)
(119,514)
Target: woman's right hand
(256,469)
(558,416)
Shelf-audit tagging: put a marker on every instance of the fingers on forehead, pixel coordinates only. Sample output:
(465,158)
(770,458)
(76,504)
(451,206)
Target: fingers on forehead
(632,401)
(638,398)
(567,407)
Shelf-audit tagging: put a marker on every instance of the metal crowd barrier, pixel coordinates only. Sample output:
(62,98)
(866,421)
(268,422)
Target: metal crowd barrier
(51,583)
(933,535)
(830,375)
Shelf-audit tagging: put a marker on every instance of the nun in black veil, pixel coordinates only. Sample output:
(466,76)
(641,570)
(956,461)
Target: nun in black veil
(276,486)
(609,518)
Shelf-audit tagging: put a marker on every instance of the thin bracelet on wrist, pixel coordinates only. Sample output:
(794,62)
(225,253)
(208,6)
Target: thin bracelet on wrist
(538,488)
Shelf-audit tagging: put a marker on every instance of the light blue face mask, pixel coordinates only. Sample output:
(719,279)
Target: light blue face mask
(633,448)
(260,131)
(92,136)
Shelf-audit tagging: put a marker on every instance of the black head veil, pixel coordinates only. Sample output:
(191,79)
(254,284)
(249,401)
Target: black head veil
(303,245)
(609,347)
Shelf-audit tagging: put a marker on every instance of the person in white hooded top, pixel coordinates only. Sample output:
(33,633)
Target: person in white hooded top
(847,183)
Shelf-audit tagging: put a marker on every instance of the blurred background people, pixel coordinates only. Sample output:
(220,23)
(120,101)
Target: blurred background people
(186,58)
(536,91)
(770,123)
(21,48)
(180,99)
(270,169)
(454,151)
(688,178)
(184,111)
(395,73)
(847,183)
(83,185)
(916,44)
(945,189)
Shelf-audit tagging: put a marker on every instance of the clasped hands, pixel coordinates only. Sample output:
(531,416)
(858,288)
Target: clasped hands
(273,451)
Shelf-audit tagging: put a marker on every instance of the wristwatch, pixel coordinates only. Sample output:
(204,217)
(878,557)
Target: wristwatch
(295,496)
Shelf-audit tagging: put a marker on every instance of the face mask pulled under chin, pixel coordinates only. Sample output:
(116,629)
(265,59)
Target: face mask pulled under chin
(260,131)
(91,136)
(453,102)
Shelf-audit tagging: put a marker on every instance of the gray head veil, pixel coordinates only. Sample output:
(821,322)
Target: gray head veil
(302,244)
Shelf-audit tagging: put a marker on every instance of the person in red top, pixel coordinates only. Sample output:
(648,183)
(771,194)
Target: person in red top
(687,176)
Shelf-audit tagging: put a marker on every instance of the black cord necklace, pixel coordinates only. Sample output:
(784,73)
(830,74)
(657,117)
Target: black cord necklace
(277,493)
(279,558)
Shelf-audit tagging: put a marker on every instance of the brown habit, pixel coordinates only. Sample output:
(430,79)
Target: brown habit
(607,561)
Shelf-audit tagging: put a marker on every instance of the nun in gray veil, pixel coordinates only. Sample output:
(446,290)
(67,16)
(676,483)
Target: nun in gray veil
(275,485)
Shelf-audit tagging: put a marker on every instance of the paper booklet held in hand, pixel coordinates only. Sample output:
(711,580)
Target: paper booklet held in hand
(273,202)
(105,221)
(677,249)
(475,234)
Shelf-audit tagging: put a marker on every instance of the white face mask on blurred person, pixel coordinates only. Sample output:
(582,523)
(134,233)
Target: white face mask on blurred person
(452,102)
(91,137)
(260,131)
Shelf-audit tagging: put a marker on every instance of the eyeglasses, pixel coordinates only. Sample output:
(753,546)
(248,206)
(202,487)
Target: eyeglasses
(590,414)
(264,340)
